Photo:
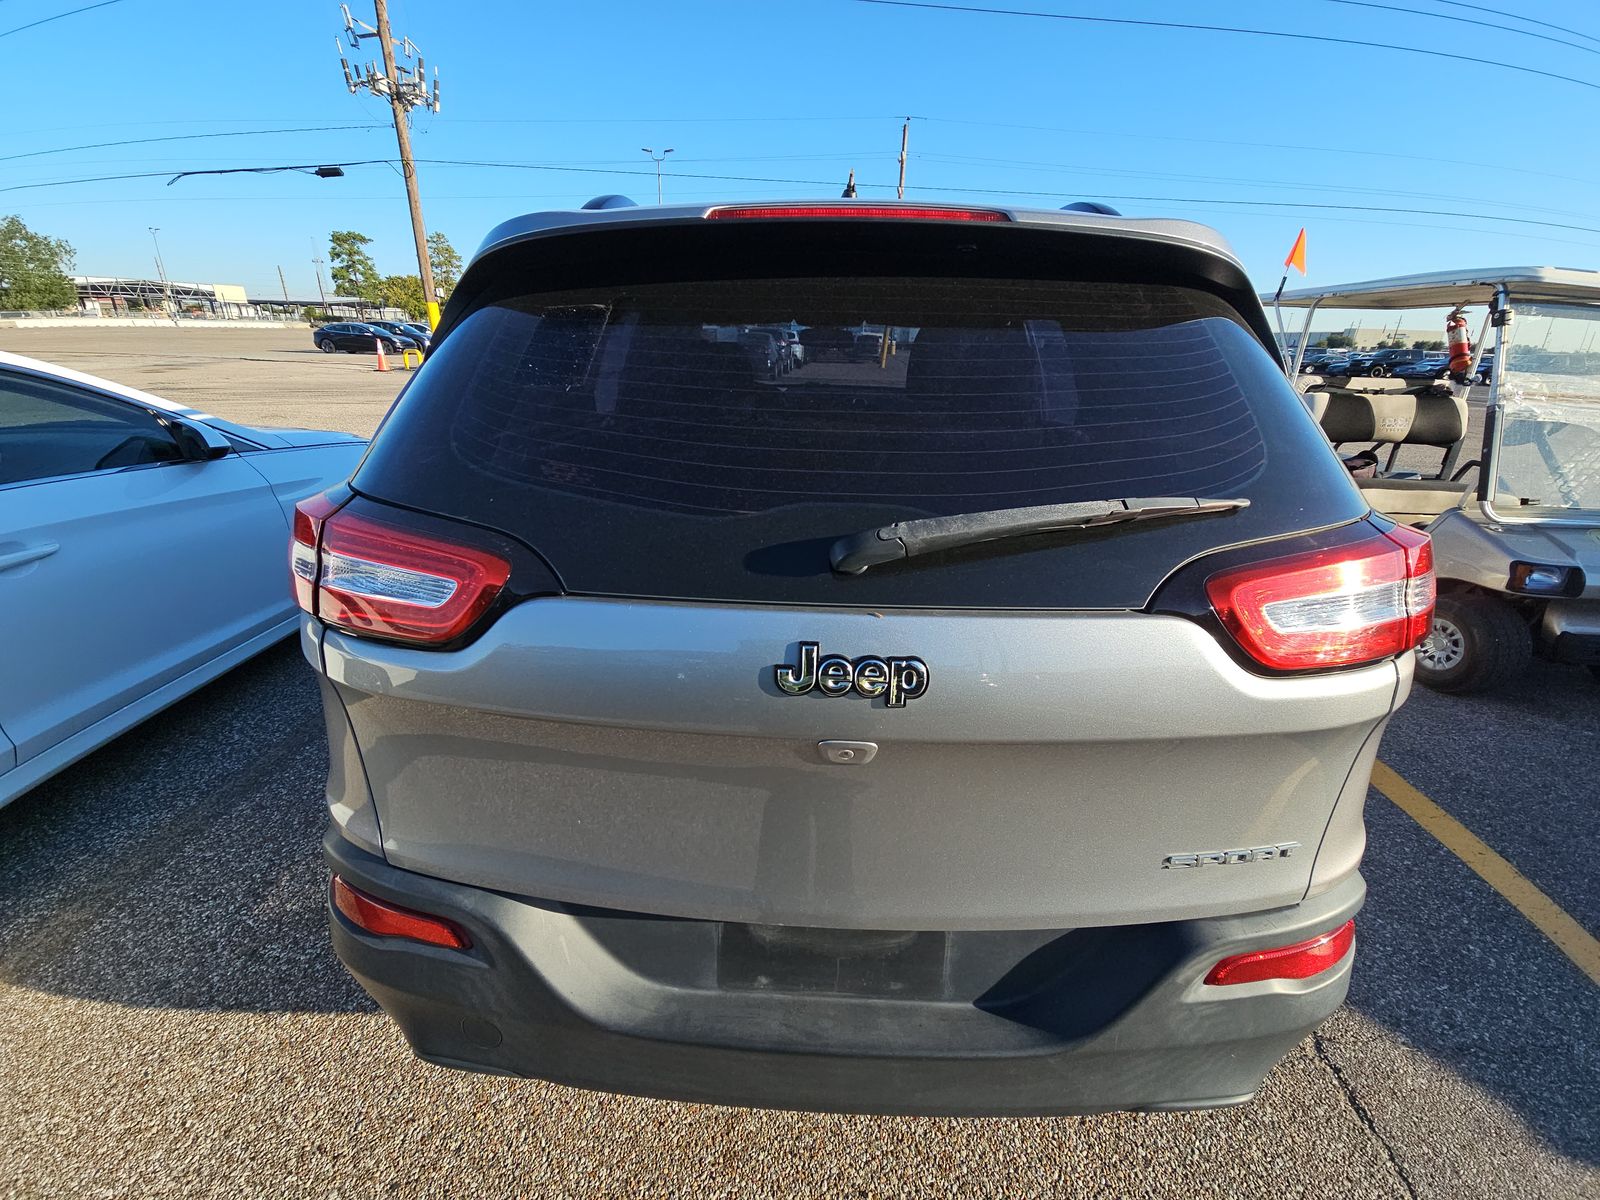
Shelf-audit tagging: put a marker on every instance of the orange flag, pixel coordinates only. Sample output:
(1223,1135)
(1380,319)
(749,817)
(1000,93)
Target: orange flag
(1297,256)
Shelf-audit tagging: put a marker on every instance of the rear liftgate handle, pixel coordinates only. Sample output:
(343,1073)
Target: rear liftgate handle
(848,754)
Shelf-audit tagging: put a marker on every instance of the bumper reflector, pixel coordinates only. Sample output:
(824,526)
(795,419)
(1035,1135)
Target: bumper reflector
(382,919)
(1299,961)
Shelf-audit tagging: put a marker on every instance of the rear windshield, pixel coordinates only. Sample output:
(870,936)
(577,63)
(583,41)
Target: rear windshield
(710,439)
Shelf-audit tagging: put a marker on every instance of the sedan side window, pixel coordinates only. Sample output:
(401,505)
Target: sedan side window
(49,429)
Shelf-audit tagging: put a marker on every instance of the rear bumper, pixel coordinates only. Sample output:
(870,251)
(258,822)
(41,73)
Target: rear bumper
(973,1023)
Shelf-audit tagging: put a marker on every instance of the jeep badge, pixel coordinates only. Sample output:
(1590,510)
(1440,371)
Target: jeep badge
(895,679)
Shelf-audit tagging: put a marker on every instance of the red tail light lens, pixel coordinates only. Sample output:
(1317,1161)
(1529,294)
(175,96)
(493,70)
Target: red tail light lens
(1356,603)
(382,919)
(896,212)
(378,578)
(1299,961)
(309,515)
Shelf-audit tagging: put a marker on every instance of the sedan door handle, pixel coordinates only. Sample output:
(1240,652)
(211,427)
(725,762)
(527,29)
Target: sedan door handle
(27,554)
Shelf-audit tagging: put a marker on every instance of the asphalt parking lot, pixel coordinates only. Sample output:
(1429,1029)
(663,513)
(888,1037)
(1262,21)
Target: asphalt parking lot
(175,1025)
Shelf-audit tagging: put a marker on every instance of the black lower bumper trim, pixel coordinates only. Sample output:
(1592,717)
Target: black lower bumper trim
(1045,1022)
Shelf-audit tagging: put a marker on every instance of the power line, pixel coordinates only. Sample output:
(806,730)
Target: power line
(1525,20)
(59,16)
(1294,204)
(184,137)
(1193,26)
(1298,148)
(1412,12)
(1231,180)
(722,194)
(1055,194)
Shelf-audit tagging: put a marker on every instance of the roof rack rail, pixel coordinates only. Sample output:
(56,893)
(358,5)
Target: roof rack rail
(1091,206)
(610,201)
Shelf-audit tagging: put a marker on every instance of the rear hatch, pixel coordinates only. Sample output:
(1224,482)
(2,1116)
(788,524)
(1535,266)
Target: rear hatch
(1063,722)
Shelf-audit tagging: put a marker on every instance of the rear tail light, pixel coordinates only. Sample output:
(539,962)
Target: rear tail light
(382,919)
(896,212)
(370,577)
(308,518)
(1355,603)
(1299,961)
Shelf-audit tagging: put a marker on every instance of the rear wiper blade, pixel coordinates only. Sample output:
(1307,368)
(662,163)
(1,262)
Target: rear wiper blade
(854,553)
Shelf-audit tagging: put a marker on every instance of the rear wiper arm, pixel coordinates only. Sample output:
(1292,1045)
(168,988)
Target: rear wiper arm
(854,553)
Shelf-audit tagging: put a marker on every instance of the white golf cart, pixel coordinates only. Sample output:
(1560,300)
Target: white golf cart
(1516,528)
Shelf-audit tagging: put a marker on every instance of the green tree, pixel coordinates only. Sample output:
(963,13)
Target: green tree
(403,292)
(354,272)
(35,270)
(1435,344)
(1337,341)
(446,263)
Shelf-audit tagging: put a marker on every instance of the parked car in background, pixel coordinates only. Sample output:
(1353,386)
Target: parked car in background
(1435,367)
(1324,362)
(140,555)
(418,337)
(793,353)
(418,330)
(821,343)
(1384,362)
(361,337)
(866,347)
(806,747)
(764,353)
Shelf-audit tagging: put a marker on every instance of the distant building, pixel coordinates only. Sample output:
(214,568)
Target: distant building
(1365,337)
(115,296)
(110,296)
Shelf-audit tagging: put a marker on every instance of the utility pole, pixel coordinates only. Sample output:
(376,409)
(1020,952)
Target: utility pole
(905,140)
(283,285)
(161,268)
(404,88)
(316,264)
(658,159)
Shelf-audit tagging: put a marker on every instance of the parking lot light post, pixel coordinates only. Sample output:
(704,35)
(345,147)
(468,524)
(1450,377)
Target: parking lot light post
(657,159)
(161,268)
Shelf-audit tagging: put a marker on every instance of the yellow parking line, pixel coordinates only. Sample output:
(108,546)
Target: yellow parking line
(1571,938)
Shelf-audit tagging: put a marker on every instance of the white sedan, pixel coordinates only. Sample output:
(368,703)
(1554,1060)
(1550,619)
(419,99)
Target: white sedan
(143,551)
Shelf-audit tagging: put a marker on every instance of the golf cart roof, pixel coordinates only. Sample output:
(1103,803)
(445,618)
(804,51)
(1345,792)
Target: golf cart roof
(1446,289)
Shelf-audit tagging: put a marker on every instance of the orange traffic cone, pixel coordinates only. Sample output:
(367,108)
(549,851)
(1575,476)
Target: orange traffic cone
(383,363)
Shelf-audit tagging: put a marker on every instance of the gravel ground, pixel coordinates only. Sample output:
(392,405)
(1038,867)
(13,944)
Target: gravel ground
(172,1022)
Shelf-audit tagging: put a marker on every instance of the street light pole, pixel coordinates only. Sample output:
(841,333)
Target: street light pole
(161,268)
(658,159)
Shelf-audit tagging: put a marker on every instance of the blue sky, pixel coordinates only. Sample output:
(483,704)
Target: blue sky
(1034,111)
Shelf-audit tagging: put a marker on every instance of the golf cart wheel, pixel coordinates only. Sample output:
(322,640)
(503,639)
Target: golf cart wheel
(326,346)
(1476,643)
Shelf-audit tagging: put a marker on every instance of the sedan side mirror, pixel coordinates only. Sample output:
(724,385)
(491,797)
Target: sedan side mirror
(199,442)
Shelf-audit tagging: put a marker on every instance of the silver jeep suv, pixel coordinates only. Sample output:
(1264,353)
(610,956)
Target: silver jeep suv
(978,726)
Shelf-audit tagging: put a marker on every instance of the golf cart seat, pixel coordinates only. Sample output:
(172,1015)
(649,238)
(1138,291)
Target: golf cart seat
(1419,418)
(1424,417)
